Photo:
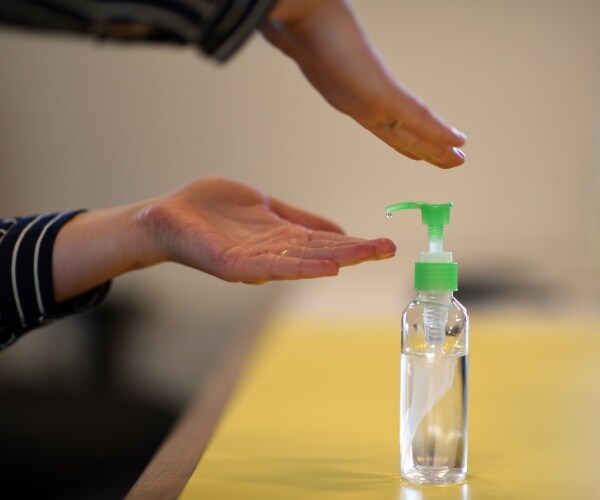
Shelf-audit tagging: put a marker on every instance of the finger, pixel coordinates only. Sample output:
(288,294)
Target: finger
(305,262)
(326,239)
(302,217)
(270,267)
(446,160)
(427,124)
(407,140)
(329,240)
(409,155)
(346,254)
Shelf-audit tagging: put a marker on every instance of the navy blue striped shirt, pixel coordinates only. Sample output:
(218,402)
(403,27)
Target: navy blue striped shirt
(217,27)
(26,290)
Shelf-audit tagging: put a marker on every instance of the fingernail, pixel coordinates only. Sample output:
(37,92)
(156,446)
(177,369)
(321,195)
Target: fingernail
(458,152)
(459,134)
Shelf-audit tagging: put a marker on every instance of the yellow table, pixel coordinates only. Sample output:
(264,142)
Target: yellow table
(316,415)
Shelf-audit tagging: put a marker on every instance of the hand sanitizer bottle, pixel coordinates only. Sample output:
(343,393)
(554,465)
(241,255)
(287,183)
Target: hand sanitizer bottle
(433,396)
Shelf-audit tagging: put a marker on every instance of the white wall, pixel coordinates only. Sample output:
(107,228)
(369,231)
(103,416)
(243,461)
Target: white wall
(85,124)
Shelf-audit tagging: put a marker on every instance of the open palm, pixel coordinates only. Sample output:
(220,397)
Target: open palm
(238,233)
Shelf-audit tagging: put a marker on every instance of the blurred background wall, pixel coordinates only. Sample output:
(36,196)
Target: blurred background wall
(89,124)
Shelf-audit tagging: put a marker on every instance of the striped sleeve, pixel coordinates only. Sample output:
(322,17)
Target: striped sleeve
(217,27)
(26,289)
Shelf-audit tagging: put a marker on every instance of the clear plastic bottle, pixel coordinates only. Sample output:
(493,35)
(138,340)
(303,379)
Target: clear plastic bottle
(434,363)
(433,401)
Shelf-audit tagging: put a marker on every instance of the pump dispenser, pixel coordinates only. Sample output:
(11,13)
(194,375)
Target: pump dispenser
(433,399)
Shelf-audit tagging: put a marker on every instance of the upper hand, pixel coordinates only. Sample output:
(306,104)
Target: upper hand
(325,40)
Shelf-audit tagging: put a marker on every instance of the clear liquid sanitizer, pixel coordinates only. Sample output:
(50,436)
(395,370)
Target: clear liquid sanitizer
(433,396)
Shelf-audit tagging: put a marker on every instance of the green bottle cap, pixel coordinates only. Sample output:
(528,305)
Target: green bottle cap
(442,276)
(435,271)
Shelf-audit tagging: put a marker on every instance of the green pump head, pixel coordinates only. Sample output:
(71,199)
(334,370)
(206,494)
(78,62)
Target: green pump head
(435,271)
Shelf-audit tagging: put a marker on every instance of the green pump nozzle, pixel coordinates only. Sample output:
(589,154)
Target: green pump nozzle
(435,271)
(433,215)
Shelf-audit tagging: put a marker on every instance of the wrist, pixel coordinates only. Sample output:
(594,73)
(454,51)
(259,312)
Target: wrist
(148,226)
(98,245)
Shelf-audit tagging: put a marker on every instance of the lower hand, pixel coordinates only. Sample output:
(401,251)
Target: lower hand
(218,226)
(238,233)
